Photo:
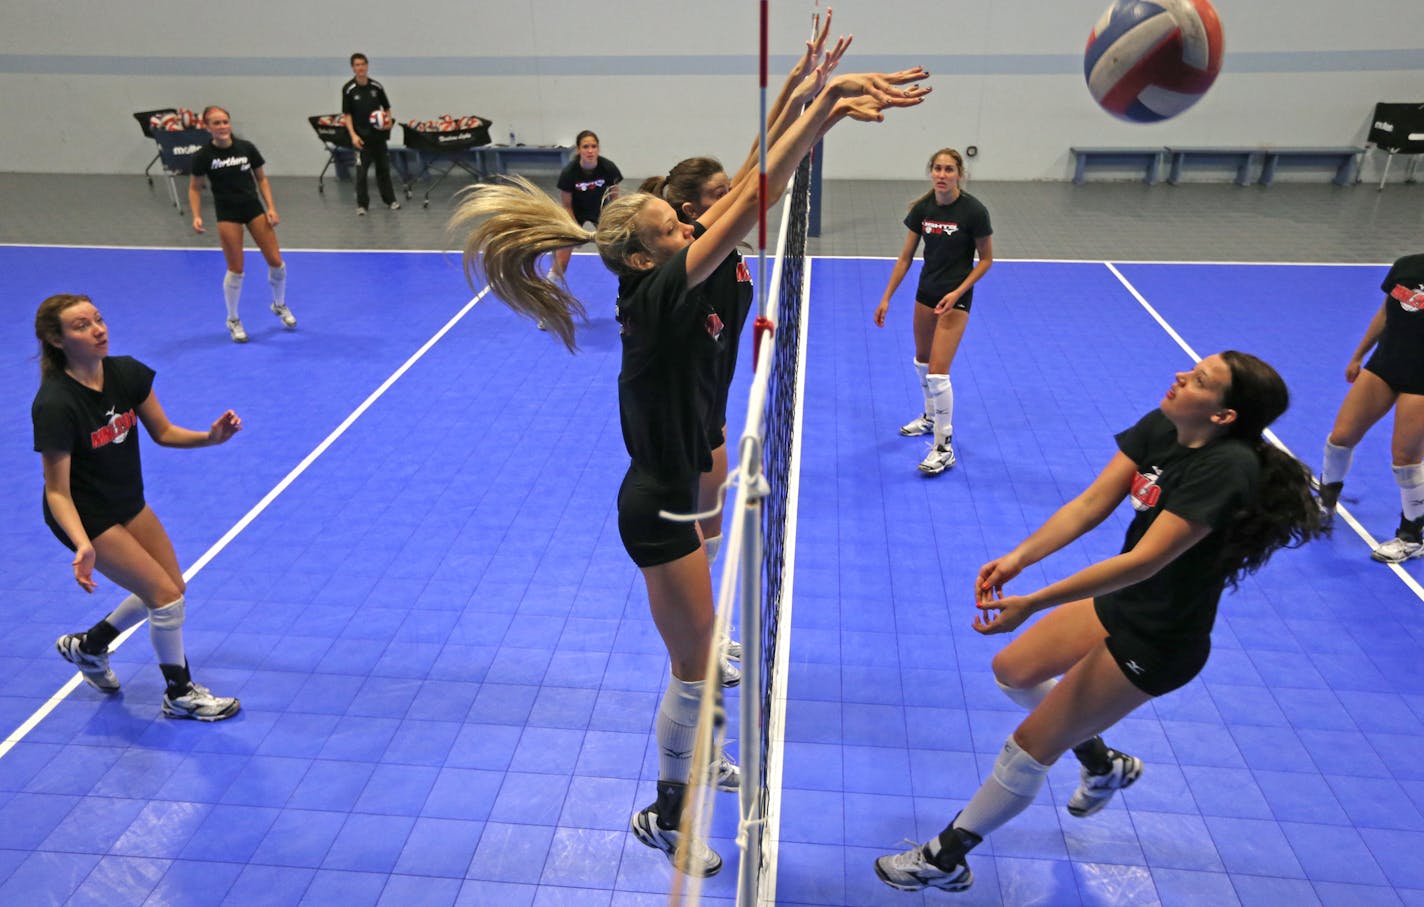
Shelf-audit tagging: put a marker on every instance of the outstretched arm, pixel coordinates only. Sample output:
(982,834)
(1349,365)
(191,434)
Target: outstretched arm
(164,432)
(861,97)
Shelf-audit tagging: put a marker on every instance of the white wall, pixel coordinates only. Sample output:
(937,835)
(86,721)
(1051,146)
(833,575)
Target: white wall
(663,80)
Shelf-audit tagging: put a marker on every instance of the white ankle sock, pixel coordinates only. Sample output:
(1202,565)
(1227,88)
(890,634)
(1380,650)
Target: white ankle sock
(1411,490)
(922,370)
(1016,781)
(941,392)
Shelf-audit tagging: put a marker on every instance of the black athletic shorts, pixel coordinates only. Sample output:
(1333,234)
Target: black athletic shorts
(649,539)
(965,302)
(242,212)
(1404,376)
(1157,667)
(94,524)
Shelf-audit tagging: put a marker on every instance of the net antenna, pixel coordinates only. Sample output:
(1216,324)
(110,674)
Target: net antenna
(759,548)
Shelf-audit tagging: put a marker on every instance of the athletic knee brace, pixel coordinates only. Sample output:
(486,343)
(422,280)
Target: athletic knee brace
(1411,489)
(1019,773)
(1337,463)
(1028,698)
(170,616)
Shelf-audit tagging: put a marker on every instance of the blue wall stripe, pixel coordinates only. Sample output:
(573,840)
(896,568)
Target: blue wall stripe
(1293,62)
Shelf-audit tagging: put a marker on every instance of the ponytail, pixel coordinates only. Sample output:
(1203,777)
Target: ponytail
(1284,514)
(513,225)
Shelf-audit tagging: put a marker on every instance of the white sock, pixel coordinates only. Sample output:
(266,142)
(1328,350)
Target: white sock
(1337,463)
(1015,782)
(277,279)
(232,289)
(922,369)
(167,641)
(941,392)
(1028,698)
(677,729)
(129,612)
(1411,490)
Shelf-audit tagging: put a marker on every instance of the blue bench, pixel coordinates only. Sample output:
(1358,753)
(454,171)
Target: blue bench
(1345,159)
(1151,158)
(556,156)
(1243,159)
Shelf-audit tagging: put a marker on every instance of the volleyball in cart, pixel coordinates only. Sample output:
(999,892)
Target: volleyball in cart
(446,139)
(1148,60)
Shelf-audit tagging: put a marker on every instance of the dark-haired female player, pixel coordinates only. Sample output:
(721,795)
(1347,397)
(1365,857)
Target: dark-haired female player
(1392,379)
(85,415)
(955,228)
(585,184)
(233,167)
(671,341)
(1214,500)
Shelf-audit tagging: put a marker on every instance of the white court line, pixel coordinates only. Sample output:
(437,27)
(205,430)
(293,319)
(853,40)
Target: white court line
(1340,510)
(217,547)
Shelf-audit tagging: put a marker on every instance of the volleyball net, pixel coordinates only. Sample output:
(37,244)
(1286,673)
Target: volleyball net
(756,572)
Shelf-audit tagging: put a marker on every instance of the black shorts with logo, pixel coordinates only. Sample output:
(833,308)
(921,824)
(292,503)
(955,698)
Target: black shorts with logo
(963,305)
(1157,667)
(95,524)
(649,539)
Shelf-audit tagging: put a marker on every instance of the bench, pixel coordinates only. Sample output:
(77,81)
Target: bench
(1243,159)
(1117,157)
(1345,159)
(551,155)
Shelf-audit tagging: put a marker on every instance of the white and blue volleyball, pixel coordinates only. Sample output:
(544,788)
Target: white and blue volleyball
(1148,60)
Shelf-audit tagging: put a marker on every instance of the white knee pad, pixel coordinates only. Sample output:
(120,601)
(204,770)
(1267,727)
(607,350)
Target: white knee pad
(1028,698)
(1411,489)
(1019,773)
(169,617)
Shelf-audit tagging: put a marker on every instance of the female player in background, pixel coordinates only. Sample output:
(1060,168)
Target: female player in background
(233,167)
(955,228)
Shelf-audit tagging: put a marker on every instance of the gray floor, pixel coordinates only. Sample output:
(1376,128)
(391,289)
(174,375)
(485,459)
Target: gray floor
(1102,220)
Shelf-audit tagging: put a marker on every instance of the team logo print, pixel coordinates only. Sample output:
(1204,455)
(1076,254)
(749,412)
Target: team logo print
(1135,668)
(744,274)
(1409,300)
(591,184)
(1145,490)
(934,227)
(714,326)
(115,432)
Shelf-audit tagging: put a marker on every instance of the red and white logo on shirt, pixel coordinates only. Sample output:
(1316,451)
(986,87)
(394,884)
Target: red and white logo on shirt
(1145,490)
(932,227)
(115,432)
(744,274)
(714,326)
(1409,300)
(589,184)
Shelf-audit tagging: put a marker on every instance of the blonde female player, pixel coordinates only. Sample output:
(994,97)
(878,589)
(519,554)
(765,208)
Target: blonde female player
(671,344)
(955,228)
(85,415)
(233,167)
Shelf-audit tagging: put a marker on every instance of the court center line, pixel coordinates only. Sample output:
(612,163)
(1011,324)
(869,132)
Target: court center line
(217,547)
(1341,511)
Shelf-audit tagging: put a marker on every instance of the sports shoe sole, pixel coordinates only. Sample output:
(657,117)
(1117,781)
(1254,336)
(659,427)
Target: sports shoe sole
(59,647)
(950,883)
(1375,556)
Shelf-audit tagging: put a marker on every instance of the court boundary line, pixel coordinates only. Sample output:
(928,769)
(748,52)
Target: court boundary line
(30,723)
(1341,511)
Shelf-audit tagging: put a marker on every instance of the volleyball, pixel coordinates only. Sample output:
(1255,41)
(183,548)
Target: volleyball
(381,120)
(1148,60)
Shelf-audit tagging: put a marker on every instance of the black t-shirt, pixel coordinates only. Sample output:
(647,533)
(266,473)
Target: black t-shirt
(360,101)
(949,232)
(98,429)
(588,186)
(1403,337)
(672,340)
(1207,485)
(230,171)
(729,290)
